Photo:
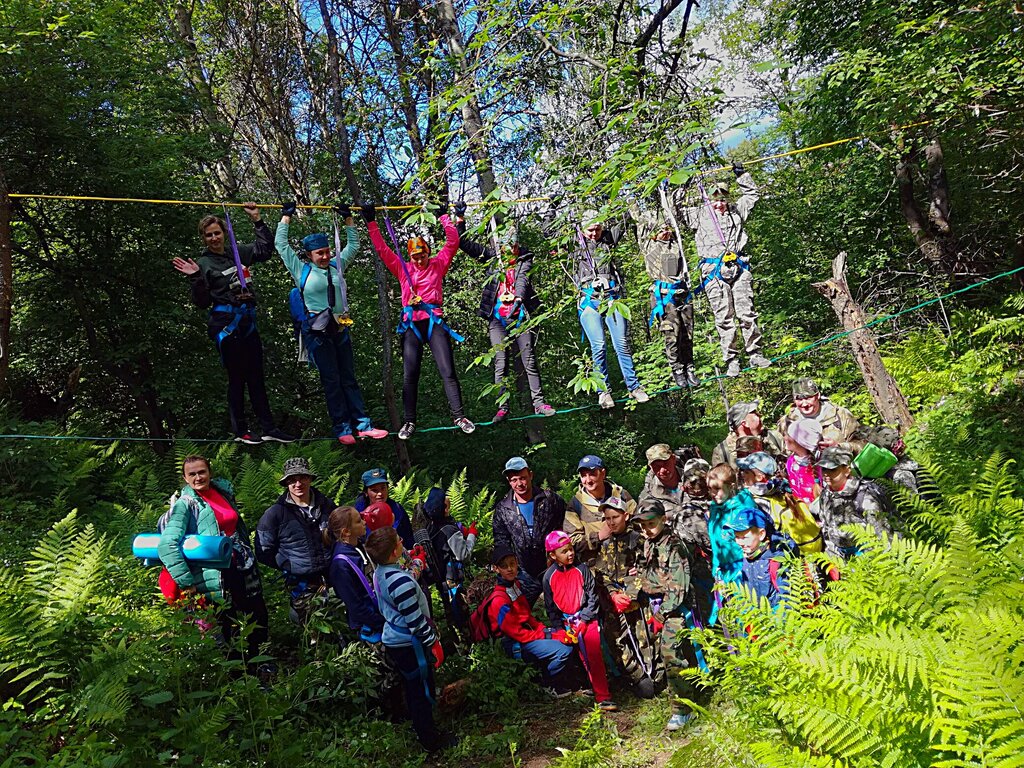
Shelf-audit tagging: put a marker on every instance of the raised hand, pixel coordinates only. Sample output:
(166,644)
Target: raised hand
(460,208)
(185,266)
(368,211)
(252,210)
(738,169)
(343,210)
(288,208)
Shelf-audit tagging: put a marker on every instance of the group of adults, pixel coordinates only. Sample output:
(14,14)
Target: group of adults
(221,281)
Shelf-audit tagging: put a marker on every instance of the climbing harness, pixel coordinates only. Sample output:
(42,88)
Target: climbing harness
(664,292)
(422,670)
(238,313)
(234,249)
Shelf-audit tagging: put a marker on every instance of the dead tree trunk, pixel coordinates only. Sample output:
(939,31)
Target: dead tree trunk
(932,231)
(889,400)
(6,278)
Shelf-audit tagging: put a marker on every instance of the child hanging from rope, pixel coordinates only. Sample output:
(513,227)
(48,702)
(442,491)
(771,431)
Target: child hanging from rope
(220,280)
(508,298)
(321,308)
(422,281)
(570,597)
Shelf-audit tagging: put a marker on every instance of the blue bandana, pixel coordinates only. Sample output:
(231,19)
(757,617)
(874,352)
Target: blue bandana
(315,242)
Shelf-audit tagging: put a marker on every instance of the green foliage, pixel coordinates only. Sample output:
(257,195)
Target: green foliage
(594,747)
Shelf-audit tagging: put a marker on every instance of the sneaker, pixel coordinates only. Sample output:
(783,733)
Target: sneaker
(639,395)
(760,361)
(678,720)
(406,431)
(679,377)
(277,436)
(608,706)
(733,370)
(347,439)
(501,415)
(465,425)
(544,410)
(374,433)
(248,439)
(605,400)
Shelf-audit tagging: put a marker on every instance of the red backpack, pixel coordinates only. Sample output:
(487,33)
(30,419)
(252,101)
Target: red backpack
(480,628)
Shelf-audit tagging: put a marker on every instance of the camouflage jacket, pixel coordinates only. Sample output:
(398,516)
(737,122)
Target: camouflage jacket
(837,423)
(618,556)
(665,572)
(583,518)
(686,516)
(725,451)
(860,502)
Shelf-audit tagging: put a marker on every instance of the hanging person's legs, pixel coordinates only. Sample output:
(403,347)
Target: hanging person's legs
(527,361)
(350,389)
(719,295)
(618,329)
(590,319)
(498,335)
(441,349)
(327,359)
(232,354)
(677,330)
(743,300)
(256,383)
(412,361)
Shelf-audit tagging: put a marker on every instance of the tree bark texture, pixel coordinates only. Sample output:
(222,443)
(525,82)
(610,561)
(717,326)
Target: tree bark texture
(889,400)
(932,231)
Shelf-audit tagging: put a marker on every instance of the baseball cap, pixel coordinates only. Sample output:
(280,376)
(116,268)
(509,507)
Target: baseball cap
(590,462)
(555,539)
(745,517)
(515,464)
(651,509)
(739,411)
(374,476)
(805,387)
(835,456)
(614,502)
(695,468)
(759,461)
(659,452)
(500,553)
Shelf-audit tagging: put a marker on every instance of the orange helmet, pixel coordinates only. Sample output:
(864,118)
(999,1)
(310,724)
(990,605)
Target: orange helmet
(418,245)
(378,515)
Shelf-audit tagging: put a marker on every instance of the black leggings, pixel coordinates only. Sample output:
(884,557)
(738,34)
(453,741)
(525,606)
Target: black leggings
(243,359)
(241,605)
(412,359)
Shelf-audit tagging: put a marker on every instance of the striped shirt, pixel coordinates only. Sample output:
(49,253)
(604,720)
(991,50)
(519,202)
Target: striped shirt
(404,607)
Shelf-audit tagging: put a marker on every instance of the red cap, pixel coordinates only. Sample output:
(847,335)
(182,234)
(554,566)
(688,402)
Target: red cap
(378,515)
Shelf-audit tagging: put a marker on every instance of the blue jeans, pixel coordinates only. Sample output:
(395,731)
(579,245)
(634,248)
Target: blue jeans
(333,359)
(618,329)
(550,656)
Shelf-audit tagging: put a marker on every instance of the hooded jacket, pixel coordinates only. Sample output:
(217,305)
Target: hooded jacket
(731,222)
(594,264)
(523,288)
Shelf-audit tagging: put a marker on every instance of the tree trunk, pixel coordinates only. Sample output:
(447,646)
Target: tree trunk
(6,278)
(340,128)
(932,232)
(889,400)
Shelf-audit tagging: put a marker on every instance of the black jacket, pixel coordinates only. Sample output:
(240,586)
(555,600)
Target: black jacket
(489,297)
(289,541)
(510,529)
(594,262)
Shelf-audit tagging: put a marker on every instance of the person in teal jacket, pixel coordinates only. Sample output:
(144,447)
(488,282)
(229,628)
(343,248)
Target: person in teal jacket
(206,507)
(325,322)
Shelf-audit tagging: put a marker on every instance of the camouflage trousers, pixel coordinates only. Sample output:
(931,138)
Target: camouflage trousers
(677,331)
(628,647)
(733,303)
(674,655)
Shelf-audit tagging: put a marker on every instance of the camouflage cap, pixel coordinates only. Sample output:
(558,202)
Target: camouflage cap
(659,452)
(739,411)
(749,444)
(805,387)
(650,509)
(720,188)
(835,456)
(694,469)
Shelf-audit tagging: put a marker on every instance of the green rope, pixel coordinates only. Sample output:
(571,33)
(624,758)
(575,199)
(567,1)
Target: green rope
(792,353)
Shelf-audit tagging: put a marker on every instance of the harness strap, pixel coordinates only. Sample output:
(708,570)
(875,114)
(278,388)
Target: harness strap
(234,248)
(663,292)
(434,317)
(716,272)
(237,313)
(359,573)
(422,671)
(697,652)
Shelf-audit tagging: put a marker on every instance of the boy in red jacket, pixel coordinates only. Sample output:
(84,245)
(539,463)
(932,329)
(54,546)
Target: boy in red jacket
(570,596)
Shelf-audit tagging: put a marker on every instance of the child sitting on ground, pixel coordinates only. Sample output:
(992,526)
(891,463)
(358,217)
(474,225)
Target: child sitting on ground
(410,641)
(505,613)
(615,569)
(665,570)
(789,514)
(570,596)
(763,552)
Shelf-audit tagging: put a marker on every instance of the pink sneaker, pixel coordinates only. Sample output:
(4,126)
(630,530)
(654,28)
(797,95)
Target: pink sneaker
(373,432)
(347,439)
(544,410)
(501,415)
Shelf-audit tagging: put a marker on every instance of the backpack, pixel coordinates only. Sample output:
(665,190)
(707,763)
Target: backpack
(165,518)
(480,628)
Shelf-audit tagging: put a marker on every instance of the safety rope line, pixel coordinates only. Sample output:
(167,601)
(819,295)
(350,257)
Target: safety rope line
(590,406)
(484,203)
(91,198)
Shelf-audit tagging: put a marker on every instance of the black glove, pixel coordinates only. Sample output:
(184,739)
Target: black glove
(344,210)
(460,208)
(288,209)
(368,212)
(442,207)
(738,169)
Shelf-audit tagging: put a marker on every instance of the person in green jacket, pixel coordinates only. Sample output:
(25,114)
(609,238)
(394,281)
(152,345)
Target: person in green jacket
(206,507)
(325,322)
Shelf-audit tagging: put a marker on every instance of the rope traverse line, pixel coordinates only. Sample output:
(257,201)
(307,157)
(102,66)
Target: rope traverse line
(766,158)
(590,406)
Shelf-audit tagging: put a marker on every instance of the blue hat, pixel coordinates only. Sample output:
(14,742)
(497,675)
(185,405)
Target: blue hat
(515,464)
(434,505)
(760,461)
(590,462)
(374,476)
(744,515)
(315,242)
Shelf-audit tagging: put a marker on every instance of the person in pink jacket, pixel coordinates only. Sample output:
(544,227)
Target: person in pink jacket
(422,281)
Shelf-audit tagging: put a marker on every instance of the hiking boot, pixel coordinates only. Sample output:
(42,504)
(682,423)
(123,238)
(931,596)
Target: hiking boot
(639,395)
(605,400)
(277,436)
(691,377)
(733,370)
(679,377)
(678,720)
(406,431)
(465,425)
(372,432)
(760,360)
(347,439)
(248,439)
(608,706)
(501,415)
(544,410)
